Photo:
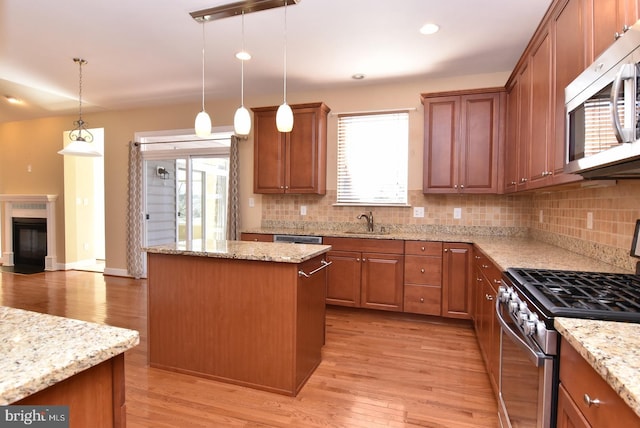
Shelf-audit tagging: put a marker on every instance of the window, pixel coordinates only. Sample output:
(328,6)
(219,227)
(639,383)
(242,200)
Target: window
(373,158)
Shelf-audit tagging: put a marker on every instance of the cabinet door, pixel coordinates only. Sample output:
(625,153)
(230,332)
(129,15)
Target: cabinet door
(456,273)
(569,415)
(441,119)
(480,130)
(269,155)
(569,52)
(306,156)
(524,125)
(512,142)
(343,278)
(608,20)
(540,149)
(382,276)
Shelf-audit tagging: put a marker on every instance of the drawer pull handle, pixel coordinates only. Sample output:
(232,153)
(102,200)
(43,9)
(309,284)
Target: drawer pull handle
(421,248)
(323,264)
(591,401)
(422,270)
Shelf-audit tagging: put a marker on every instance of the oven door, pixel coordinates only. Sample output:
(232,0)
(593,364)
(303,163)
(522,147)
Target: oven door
(527,378)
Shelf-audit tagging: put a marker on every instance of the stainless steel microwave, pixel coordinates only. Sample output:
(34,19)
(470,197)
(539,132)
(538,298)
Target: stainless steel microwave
(603,111)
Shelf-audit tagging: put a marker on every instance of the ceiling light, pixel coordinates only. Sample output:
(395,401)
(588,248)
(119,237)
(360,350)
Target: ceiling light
(358,76)
(284,115)
(203,121)
(243,55)
(238,8)
(429,28)
(12,100)
(80,143)
(242,118)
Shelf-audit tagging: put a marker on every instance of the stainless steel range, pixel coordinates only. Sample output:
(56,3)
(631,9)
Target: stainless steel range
(528,301)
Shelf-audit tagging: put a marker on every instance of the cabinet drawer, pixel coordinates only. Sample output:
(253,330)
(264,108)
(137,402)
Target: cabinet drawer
(365,245)
(423,270)
(423,248)
(422,299)
(580,379)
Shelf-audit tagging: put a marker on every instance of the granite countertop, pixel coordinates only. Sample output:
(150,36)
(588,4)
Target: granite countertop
(612,349)
(245,250)
(39,350)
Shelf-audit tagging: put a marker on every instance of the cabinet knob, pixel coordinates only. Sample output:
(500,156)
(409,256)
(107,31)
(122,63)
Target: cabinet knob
(488,297)
(479,279)
(591,401)
(446,250)
(422,300)
(364,260)
(513,183)
(421,248)
(455,186)
(462,186)
(422,270)
(523,180)
(282,187)
(358,260)
(497,281)
(485,266)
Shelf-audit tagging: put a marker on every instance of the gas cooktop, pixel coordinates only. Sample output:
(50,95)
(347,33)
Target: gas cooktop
(593,295)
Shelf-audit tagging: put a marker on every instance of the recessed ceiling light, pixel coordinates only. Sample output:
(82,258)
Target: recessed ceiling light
(429,28)
(358,76)
(243,55)
(12,100)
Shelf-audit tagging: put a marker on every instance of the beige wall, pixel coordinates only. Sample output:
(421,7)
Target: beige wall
(36,142)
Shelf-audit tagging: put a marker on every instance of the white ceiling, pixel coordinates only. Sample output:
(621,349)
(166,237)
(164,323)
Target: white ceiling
(148,52)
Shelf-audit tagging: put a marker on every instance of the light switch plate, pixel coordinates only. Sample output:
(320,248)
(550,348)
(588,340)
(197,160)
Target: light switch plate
(589,220)
(457,213)
(303,210)
(418,211)
(252,202)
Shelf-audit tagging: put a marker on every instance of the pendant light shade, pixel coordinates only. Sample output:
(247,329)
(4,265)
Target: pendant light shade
(203,121)
(242,118)
(284,115)
(80,136)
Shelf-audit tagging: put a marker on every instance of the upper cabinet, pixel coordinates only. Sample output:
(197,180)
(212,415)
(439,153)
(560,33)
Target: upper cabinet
(463,132)
(610,19)
(293,162)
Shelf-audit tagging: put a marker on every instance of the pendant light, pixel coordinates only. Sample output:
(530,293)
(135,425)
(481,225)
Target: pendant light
(242,119)
(203,121)
(284,115)
(80,137)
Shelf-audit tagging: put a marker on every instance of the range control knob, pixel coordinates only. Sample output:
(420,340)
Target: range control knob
(513,306)
(503,294)
(530,328)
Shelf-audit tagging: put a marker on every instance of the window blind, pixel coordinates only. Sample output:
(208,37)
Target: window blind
(373,158)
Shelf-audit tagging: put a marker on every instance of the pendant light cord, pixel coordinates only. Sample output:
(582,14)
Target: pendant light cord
(242,67)
(203,42)
(285,51)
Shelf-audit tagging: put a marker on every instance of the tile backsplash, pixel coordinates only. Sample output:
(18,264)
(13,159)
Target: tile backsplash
(558,216)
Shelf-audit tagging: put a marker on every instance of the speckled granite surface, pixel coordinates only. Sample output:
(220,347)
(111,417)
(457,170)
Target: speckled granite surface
(612,349)
(39,350)
(245,250)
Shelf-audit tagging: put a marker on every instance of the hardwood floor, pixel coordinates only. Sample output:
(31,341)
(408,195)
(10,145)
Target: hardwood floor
(378,369)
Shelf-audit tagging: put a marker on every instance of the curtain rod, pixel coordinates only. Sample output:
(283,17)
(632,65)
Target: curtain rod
(392,110)
(138,143)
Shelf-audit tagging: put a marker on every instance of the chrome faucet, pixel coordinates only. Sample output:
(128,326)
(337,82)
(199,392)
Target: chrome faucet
(369,220)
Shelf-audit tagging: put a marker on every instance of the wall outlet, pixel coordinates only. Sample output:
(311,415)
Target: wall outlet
(541,219)
(418,211)
(303,210)
(252,202)
(457,213)
(589,220)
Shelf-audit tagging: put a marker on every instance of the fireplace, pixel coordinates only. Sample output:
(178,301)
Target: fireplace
(29,243)
(28,231)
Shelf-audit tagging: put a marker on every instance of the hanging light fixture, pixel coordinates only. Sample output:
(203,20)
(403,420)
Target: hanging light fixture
(203,121)
(242,119)
(80,137)
(284,115)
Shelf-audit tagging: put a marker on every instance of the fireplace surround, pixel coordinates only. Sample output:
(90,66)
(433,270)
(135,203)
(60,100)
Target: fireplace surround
(33,210)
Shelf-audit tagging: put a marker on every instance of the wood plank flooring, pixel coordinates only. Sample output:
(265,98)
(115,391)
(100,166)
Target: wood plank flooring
(379,369)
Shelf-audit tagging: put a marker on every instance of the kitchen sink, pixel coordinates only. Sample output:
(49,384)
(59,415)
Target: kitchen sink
(365,232)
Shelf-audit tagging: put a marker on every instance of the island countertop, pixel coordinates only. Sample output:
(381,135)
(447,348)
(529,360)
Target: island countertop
(40,350)
(244,250)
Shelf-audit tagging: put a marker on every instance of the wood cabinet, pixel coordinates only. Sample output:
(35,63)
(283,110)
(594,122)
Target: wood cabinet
(486,280)
(456,276)
(610,19)
(423,277)
(580,386)
(365,273)
(463,132)
(293,162)
(257,237)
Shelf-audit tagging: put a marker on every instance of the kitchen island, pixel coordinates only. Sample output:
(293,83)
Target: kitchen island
(51,360)
(248,313)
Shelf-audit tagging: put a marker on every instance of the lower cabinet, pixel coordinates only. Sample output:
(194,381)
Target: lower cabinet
(258,237)
(456,274)
(365,273)
(486,280)
(585,399)
(423,277)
